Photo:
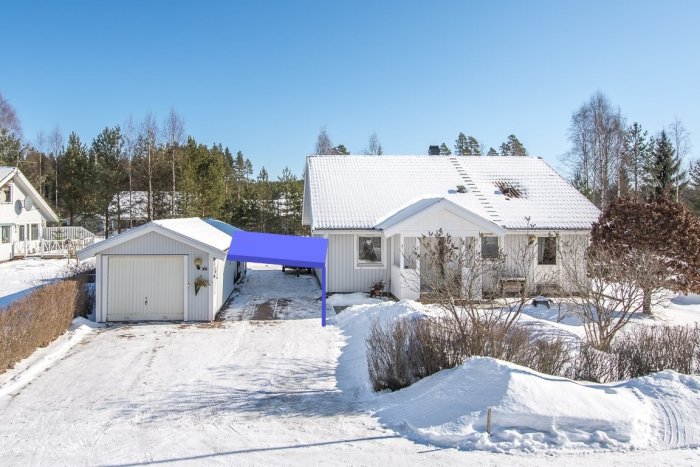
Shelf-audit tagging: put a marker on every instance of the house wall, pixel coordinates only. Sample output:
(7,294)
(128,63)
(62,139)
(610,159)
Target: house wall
(199,307)
(342,273)
(10,216)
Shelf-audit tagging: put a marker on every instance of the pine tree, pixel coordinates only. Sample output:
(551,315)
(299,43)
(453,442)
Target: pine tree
(513,147)
(107,152)
(461,145)
(75,179)
(492,152)
(340,150)
(10,148)
(444,150)
(473,147)
(202,180)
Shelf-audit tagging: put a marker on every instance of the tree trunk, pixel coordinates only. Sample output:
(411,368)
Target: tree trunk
(646,302)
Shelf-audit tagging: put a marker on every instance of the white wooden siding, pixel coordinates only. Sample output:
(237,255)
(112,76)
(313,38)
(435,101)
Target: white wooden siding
(342,273)
(224,282)
(145,288)
(152,243)
(9,216)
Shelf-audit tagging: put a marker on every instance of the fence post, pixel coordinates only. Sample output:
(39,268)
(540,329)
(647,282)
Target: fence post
(488,421)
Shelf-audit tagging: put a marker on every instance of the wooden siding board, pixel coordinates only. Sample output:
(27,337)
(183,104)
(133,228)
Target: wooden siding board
(343,276)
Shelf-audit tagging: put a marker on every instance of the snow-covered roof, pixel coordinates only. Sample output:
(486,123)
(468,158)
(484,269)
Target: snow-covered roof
(365,192)
(208,234)
(5,173)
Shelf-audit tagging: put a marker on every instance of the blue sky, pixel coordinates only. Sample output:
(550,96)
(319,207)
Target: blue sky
(263,77)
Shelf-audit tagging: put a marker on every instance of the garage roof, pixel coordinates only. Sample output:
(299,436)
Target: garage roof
(288,250)
(207,234)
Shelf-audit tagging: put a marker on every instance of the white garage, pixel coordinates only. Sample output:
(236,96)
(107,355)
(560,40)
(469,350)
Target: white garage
(166,270)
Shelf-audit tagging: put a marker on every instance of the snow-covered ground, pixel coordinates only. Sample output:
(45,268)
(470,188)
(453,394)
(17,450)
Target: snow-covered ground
(259,392)
(18,278)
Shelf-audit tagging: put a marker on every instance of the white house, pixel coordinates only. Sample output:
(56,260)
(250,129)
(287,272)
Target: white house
(374,210)
(165,270)
(23,215)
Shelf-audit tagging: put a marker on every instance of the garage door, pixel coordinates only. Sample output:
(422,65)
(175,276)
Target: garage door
(146,288)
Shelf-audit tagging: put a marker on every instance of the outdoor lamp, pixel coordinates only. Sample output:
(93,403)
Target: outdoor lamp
(198,262)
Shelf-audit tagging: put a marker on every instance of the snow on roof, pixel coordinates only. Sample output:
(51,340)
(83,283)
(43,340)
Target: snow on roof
(213,233)
(208,234)
(361,192)
(5,172)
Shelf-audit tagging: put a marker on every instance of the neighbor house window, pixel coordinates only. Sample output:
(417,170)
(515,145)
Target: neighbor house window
(5,234)
(369,250)
(547,250)
(21,233)
(34,231)
(6,194)
(489,247)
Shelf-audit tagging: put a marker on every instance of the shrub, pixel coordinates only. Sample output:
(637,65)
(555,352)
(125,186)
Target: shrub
(37,319)
(404,351)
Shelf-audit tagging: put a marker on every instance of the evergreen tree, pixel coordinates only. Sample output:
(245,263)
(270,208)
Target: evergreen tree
(340,150)
(202,180)
(664,172)
(107,152)
(10,148)
(513,147)
(461,145)
(635,157)
(473,147)
(492,152)
(76,179)
(290,202)
(444,150)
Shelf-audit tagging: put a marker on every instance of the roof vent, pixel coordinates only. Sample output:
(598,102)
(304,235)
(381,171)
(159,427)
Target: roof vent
(433,150)
(461,189)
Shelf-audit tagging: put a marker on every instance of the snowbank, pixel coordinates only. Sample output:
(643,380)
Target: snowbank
(355,322)
(349,299)
(530,411)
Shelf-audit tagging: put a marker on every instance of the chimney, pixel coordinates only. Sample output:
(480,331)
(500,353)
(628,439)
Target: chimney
(433,150)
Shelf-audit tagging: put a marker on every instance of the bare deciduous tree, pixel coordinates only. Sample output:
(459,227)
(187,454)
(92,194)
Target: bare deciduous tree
(8,117)
(174,134)
(607,290)
(129,147)
(55,147)
(597,136)
(680,138)
(455,276)
(374,147)
(323,143)
(148,136)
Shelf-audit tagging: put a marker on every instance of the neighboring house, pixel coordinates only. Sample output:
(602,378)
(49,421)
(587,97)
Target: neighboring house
(130,209)
(374,209)
(165,270)
(23,215)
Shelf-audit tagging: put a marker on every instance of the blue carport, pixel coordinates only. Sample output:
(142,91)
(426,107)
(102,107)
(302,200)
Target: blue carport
(287,250)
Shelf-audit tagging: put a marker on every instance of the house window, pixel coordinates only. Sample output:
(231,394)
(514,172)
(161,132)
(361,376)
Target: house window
(547,250)
(34,231)
(489,247)
(369,250)
(5,234)
(6,194)
(21,233)
(410,252)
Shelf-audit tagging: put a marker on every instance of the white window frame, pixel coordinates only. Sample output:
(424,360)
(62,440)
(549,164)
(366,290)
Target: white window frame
(356,252)
(9,187)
